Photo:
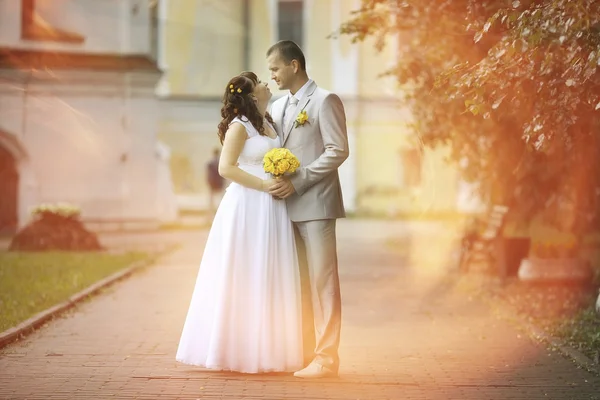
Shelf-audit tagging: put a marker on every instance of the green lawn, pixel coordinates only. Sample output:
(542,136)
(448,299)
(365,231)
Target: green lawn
(581,331)
(33,282)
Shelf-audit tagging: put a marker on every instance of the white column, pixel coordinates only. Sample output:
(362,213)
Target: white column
(344,67)
(162,88)
(344,73)
(307,5)
(163,12)
(274,18)
(124,26)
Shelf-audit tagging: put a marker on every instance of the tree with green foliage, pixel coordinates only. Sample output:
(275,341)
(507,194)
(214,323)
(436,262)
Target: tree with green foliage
(512,87)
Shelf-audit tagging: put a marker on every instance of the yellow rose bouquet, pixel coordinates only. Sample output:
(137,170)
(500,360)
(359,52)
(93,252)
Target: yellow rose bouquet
(280,161)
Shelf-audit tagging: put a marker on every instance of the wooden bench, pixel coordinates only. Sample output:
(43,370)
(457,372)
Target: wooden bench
(479,244)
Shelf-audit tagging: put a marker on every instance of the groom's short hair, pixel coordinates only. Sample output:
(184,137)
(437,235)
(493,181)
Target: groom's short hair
(288,51)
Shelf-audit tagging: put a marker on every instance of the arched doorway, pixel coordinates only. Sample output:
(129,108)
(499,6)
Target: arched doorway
(9,192)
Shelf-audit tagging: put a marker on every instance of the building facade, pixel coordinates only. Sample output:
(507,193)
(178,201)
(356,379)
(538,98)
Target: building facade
(206,42)
(78,109)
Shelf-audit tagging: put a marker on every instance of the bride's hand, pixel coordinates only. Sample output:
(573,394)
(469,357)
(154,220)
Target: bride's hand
(267,184)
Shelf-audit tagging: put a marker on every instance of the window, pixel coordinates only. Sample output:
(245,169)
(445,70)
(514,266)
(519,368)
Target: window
(291,20)
(411,166)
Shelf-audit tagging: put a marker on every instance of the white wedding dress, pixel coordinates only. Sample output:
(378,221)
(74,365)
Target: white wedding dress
(245,312)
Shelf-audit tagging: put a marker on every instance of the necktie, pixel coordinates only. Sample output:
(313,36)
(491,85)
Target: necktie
(289,112)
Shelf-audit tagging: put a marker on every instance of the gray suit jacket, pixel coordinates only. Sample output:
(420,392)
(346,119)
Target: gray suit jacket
(321,145)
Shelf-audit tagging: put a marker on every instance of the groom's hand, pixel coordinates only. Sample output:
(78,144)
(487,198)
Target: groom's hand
(282,189)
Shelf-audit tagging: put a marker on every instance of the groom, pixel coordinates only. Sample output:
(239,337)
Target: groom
(312,124)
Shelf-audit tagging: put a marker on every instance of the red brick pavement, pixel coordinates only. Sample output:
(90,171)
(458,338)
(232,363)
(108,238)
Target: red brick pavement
(405,336)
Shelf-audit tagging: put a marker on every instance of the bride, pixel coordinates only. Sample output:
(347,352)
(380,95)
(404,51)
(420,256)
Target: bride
(245,311)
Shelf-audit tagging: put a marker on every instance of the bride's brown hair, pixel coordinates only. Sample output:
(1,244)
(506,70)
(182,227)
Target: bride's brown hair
(238,101)
(254,78)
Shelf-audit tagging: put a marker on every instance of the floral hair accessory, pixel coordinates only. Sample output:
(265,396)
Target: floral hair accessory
(233,89)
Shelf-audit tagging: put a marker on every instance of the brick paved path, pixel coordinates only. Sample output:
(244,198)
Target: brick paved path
(405,336)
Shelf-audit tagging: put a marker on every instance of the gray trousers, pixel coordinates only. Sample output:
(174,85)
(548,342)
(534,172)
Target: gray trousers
(321,298)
